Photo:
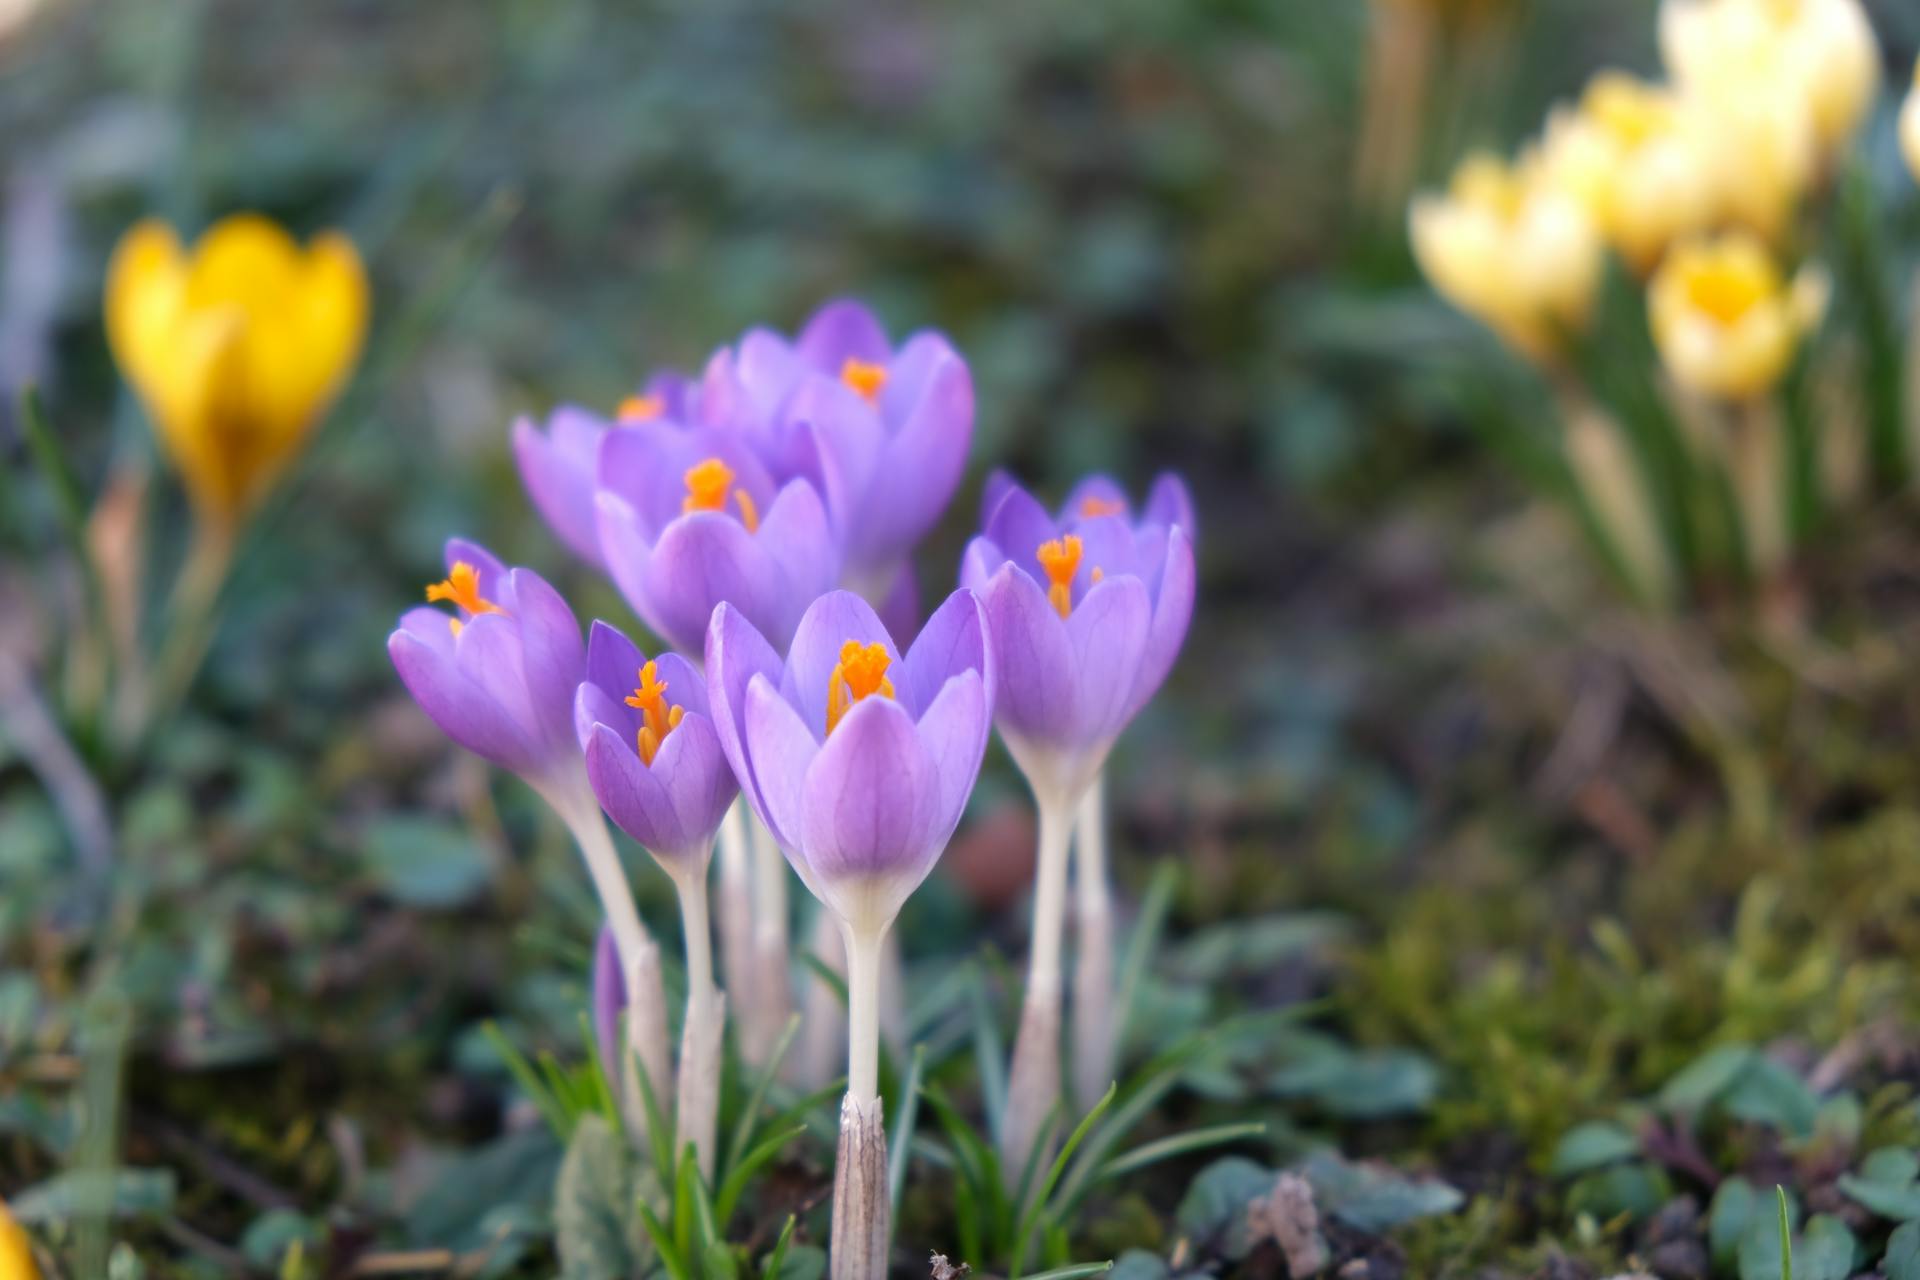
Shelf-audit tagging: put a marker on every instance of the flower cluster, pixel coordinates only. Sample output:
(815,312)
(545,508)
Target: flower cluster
(759,519)
(1709,189)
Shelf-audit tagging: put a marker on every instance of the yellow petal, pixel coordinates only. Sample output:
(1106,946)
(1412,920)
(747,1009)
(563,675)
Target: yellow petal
(146,294)
(16,1258)
(244,260)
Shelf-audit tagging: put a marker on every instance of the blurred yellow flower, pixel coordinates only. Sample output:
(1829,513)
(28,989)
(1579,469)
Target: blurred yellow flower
(1515,251)
(236,348)
(1636,155)
(1726,322)
(1819,56)
(16,1257)
(1910,126)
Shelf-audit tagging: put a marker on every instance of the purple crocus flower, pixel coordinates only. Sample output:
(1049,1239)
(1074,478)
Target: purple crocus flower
(1087,611)
(859,760)
(609,1002)
(557,460)
(883,431)
(498,674)
(652,753)
(690,516)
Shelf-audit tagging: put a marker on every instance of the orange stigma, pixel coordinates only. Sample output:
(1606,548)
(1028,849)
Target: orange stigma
(1060,557)
(866,379)
(640,409)
(461,587)
(658,719)
(860,673)
(1093,508)
(707,485)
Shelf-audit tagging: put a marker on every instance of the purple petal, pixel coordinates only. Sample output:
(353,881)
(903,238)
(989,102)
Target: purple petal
(797,537)
(554,659)
(735,653)
(1033,663)
(999,483)
(593,707)
(914,366)
(493,574)
(613,661)
(954,731)
(920,467)
(781,749)
(830,621)
(1170,504)
(899,609)
(462,709)
(848,440)
(1106,543)
(647,464)
(1018,526)
(1100,492)
(1172,610)
(487,652)
(559,479)
(698,779)
(609,1001)
(954,640)
(767,367)
(633,795)
(840,331)
(686,687)
(871,801)
(1107,632)
(627,550)
(981,560)
(431,627)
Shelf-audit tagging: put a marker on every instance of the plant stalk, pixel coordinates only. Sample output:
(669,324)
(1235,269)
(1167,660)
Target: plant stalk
(861,1206)
(1093,1032)
(697,1104)
(1033,1088)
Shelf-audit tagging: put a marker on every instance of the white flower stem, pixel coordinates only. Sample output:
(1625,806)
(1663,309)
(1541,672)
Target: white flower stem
(736,927)
(1093,1012)
(698,1099)
(772,958)
(863,1011)
(1033,1087)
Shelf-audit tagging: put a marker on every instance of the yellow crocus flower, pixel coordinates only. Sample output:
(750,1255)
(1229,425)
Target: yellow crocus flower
(1910,126)
(1636,155)
(236,348)
(1726,321)
(16,1256)
(1512,249)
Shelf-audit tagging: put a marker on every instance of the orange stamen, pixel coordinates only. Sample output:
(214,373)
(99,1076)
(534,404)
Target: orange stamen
(866,379)
(1060,557)
(1093,508)
(640,409)
(707,485)
(860,673)
(461,587)
(658,719)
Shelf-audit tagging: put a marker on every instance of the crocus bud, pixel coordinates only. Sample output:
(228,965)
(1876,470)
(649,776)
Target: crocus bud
(236,349)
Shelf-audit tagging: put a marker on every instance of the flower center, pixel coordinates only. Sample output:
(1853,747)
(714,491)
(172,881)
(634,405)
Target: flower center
(866,379)
(461,587)
(1630,111)
(1487,183)
(658,719)
(1092,508)
(860,673)
(707,485)
(640,409)
(1727,289)
(1060,557)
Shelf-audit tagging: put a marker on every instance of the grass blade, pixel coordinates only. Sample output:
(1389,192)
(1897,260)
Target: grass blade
(528,1079)
(735,1185)
(988,1053)
(1075,1271)
(743,1128)
(1030,1220)
(903,1126)
(1179,1144)
(663,1243)
(1142,944)
(778,1257)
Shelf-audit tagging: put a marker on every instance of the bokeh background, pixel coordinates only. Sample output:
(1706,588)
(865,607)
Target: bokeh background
(1416,739)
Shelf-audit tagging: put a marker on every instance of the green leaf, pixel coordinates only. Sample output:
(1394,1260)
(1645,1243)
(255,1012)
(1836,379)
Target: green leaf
(737,1182)
(1637,1189)
(903,1126)
(1727,1218)
(1888,1183)
(1903,1253)
(269,1236)
(750,1113)
(1701,1082)
(596,1231)
(1825,1251)
(1031,1219)
(1138,1264)
(1591,1146)
(1768,1093)
(1373,1197)
(118,1193)
(803,1262)
(1180,1144)
(1355,1084)
(776,1258)
(1215,1206)
(1074,1272)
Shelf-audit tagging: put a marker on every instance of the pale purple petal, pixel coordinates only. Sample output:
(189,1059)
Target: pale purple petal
(1107,633)
(1170,504)
(594,706)
(796,536)
(829,622)
(557,469)
(999,483)
(697,779)
(848,441)
(920,357)
(843,330)
(1172,611)
(492,573)
(767,367)
(920,467)
(463,710)
(1019,526)
(899,609)
(634,796)
(686,687)
(1033,663)
(553,656)
(487,652)
(736,652)
(1096,495)
(613,661)
(871,797)
(432,627)
(1107,543)
(979,562)
(954,730)
(782,749)
(609,1001)
(954,640)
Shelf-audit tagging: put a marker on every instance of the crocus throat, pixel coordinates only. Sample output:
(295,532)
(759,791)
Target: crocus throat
(1093,508)
(707,485)
(640,409)
(658,719)
(1060,557)
(866,379)
(860,673)
(461,587)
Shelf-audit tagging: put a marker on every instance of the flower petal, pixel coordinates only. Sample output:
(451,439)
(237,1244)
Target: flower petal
(1172,611)
(954,731)
(609,1001)
(735,653)
(797,537)
(920,467)
(694,770)
(781,750)
(829,622)
(1098,494)
(633,795)
(613,661)
(1169,503)
(871,800)
(558,474)
(954,640)
(463,710)
(1033,663)
(1107,633)
(843,330)
(554,660)
(1018,526)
